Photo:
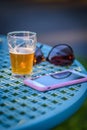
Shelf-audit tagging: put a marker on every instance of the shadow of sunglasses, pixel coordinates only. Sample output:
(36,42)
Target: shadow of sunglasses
(61,54)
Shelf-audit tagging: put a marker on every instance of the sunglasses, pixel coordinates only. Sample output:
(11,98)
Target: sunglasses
(61,54)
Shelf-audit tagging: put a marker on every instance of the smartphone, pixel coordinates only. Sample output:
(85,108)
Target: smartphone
(56,80)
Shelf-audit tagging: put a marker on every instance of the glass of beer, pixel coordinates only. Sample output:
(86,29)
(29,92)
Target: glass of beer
(22,46)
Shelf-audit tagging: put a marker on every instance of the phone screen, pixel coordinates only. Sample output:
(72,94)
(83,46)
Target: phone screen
(58,78)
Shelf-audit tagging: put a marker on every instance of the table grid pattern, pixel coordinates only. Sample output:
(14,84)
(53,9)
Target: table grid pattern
(20,104)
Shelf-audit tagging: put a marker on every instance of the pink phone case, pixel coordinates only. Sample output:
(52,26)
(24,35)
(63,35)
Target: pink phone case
(41,87)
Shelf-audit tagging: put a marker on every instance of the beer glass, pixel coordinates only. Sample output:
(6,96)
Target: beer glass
(22,46)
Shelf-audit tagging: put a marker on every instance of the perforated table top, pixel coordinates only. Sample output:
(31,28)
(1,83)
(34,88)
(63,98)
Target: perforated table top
(23,108)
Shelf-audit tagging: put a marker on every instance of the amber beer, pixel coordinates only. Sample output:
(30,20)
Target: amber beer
(22,46)
(22,60)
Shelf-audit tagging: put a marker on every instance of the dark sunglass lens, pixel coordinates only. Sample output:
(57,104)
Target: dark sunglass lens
(61,55)
(38,56)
